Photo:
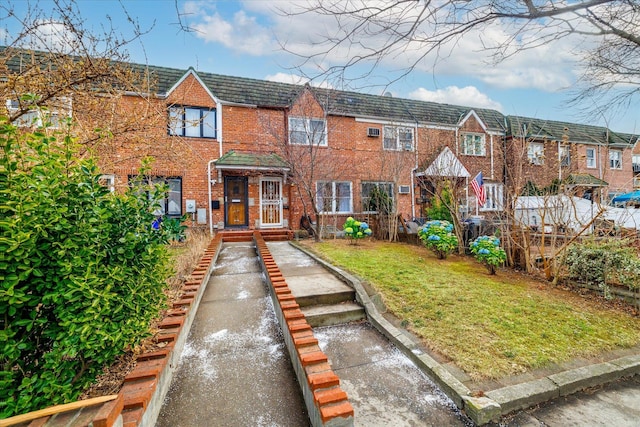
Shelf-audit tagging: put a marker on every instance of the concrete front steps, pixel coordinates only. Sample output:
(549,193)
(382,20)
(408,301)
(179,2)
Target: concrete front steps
(335,314)
(269,235)
(324,299)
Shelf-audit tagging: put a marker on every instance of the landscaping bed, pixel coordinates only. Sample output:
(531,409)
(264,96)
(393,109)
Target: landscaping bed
(490,326)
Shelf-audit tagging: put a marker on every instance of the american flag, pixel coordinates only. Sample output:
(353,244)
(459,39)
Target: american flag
(478,188)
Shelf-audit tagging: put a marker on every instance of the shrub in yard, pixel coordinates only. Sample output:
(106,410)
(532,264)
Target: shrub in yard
(356,230)
(487,250)
(438,236)
(82,273)
(603,263)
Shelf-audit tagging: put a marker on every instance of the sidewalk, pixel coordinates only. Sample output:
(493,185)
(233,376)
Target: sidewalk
(234,370)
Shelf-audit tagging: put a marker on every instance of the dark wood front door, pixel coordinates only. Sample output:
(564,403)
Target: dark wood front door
(235,206)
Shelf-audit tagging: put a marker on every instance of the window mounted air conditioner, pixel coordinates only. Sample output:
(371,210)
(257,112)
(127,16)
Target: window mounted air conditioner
(404,189)
(408,146)
(373,132)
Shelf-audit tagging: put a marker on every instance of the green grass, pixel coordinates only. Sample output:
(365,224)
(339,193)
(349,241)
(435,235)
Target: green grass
(490,326)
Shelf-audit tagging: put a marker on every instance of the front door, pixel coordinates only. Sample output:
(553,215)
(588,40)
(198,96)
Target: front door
(270,202)
(235,197)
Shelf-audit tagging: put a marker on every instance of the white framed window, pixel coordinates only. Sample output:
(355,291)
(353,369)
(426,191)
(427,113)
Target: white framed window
(52,115)
(635,162)
(591,158)
(334,197)
(615,159)
(473,144)
(535,153)
(108,181)
(171,205)
(397,138)
(564,156)
(495,197)
(305,131)
(376,194)
(192,122)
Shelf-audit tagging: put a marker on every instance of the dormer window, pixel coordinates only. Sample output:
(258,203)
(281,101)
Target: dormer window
(192,122)
(473,144)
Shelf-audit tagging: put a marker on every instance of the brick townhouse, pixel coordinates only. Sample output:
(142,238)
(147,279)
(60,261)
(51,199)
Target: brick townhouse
(245,153)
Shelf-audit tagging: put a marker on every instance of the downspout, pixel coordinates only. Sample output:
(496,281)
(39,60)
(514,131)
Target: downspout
(211,182)
(491,148)
(413,171)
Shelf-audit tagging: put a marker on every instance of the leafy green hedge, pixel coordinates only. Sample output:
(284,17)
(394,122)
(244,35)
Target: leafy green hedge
(603,263)
(82,272)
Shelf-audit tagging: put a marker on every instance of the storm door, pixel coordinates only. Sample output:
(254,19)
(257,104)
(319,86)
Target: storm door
(235,197)
(270,202)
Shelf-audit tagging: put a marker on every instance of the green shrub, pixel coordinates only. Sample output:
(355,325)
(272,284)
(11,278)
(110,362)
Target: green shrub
(356,230)
(487,250)
(603,263)
(82,272)
(438,236)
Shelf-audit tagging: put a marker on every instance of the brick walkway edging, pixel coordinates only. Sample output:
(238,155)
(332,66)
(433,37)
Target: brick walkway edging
(327,404)
(495,403)
(139,401)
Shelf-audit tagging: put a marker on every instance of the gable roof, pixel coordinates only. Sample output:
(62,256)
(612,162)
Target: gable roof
(446,165)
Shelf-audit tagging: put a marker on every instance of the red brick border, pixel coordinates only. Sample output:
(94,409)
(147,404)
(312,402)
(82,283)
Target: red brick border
(326,402)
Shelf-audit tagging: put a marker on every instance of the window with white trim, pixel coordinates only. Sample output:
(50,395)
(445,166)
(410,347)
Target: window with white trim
(495,197)
(591,158)
(305,131)
(615,159)
(564,156)
(192,122)
(375,194)
(397,138)
(473,144)
(334,197)
(171,205)
(108,181)
(52,115)
(535,153)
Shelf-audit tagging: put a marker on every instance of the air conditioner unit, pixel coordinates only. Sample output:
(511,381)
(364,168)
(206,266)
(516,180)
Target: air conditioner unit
(404,189)
(408,146)
(373,132)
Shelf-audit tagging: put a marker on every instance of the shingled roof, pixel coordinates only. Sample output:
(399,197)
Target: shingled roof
(262,93)
(527,127)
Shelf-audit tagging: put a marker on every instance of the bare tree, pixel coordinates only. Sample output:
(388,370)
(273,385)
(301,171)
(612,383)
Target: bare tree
(367,34)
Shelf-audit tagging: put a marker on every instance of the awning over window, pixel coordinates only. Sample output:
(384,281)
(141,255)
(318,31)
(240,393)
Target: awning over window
(584,180)
(251,161)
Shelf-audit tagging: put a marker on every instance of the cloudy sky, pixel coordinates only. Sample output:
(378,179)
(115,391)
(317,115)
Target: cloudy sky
(245,38)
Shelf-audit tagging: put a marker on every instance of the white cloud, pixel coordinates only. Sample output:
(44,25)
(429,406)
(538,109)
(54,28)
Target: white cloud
(287,78)
(467,96)
(242,33)
(51,36)
(260,28)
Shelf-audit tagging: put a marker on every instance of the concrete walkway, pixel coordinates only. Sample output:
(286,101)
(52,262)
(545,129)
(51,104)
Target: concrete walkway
(234,370)
(384,387)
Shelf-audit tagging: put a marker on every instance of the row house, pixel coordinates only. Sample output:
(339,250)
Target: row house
(245,153)
(593,161)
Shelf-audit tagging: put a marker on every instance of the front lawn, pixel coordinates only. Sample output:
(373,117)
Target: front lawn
(490,326)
